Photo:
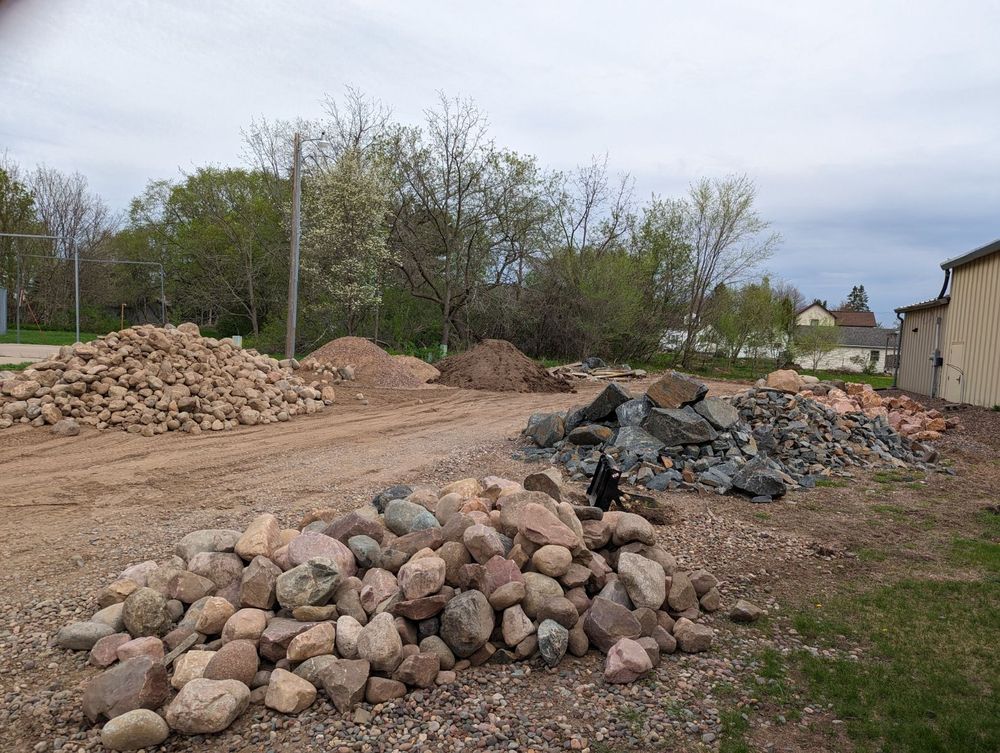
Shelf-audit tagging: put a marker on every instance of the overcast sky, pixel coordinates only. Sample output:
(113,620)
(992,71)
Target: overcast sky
(871,129)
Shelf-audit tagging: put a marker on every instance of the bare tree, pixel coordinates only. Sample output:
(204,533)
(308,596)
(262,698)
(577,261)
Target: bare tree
(591,210)
(65,207)
(728,241)
(452,226)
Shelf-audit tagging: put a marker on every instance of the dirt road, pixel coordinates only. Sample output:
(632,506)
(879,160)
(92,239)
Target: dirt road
(51,485)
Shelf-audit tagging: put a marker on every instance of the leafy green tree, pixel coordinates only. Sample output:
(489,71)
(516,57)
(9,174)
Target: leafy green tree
(221,238)
(17,215)
(813,343)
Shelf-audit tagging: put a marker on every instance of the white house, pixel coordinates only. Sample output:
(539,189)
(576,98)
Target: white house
(861,342)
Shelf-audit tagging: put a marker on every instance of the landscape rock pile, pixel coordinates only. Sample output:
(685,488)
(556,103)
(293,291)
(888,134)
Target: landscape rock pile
(150,380)
(760,442)
(904,414)
(401,594)
(498,366)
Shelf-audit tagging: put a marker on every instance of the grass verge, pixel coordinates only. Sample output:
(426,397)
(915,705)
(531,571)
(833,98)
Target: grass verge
(46,337)
(930,678)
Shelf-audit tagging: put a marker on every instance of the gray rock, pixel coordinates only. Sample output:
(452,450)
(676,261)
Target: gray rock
(310,584)
(605,404)
(145,613)
(81,636)
(718,412)
(546,430)
(633,412)
(758,479)
(366,550)
(402,517)
(553,640)
(208,540)
(467,623)
(635,439)
(399,491)
(678,426)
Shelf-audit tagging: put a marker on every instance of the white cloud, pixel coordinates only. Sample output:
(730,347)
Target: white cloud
(870,128)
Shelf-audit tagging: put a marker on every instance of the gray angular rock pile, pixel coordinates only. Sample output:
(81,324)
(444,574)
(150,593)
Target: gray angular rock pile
(760,442)
(400,594)
(149,380)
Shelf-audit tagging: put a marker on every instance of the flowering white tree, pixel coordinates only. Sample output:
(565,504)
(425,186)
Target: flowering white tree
(344,244)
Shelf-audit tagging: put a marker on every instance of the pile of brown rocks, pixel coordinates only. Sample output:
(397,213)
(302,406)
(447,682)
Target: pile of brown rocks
(149,380)
(904,414)
(400,594)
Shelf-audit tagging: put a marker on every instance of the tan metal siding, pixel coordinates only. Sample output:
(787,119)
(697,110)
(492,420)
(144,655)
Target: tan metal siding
(916,372)
(974,319)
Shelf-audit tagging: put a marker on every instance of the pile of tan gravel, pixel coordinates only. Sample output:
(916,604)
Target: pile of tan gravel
(149,380)
(364,361)
(401,594)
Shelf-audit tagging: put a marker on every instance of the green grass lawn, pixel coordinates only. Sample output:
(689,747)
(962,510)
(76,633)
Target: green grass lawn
(45,337)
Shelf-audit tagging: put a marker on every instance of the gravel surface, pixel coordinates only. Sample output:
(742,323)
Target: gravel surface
(60,556)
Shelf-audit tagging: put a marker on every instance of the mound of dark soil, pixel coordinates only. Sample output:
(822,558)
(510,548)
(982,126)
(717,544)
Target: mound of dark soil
(498,366)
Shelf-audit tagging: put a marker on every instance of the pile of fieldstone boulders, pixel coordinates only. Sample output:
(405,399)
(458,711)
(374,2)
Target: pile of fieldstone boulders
(400,594)
(149,380)
(760,442)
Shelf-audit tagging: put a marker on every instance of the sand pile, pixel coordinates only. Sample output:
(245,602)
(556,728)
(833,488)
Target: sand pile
(420,368)
(498,366)
(371,365)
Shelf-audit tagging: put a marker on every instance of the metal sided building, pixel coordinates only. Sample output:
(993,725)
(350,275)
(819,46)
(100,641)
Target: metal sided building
(950,346)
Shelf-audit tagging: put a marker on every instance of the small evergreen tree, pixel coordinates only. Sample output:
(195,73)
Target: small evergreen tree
(857,300)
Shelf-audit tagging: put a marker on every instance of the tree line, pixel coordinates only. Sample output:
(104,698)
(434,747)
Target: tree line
(418,235)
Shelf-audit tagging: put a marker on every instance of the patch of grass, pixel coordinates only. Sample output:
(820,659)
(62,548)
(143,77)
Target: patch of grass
(46,337)
(15,366)
(636,718)
(733,737)
(976,553)
(831,483)
(894,512)
(867,554)
(931,680)
(990,521)
(897,476)
(762,515)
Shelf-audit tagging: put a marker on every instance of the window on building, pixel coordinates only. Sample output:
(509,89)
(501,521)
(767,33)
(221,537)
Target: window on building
(814,322)
(874,356)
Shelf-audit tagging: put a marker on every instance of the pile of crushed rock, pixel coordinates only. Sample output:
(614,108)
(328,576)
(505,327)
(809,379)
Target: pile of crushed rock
(150,380)
(759,442)
(903,413)
(400,594)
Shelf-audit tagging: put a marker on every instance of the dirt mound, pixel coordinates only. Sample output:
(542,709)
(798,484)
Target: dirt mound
(420,368)
(497,366)
(372,365)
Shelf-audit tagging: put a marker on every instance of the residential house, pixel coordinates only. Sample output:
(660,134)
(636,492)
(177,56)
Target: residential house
(862,343)
(950,345)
